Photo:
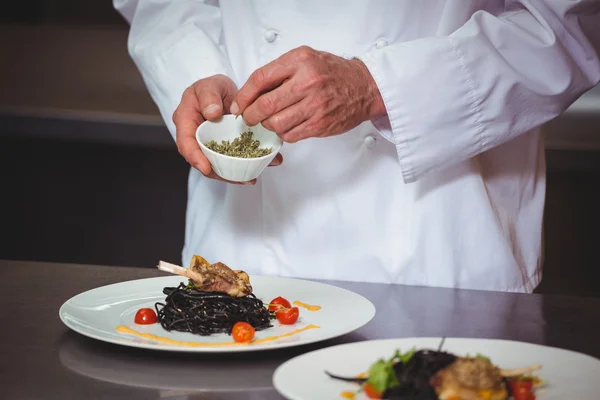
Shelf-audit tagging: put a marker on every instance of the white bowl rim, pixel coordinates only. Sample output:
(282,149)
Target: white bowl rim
(274,149)
(240,158)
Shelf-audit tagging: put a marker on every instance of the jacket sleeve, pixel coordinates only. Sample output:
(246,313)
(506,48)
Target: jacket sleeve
(450,98)
(174,43)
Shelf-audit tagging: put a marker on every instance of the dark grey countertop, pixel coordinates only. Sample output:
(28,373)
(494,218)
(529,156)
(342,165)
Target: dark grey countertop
(42,359)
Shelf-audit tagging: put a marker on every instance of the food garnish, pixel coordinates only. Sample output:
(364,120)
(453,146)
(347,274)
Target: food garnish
(283,310)
(242,332)
(287,316)
(145,316)
(278,303)
(173,342)
(309,307)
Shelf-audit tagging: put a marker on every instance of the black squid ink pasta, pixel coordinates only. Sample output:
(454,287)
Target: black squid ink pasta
(187,309)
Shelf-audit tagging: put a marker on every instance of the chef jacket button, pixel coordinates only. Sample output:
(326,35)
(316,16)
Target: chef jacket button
(381,43)
(270,36)
(370,141)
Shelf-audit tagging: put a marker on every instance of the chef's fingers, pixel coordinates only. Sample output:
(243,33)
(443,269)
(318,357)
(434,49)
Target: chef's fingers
(187,117)
(278,160)
(213,175)
(301,131)
(288,118)
(228,99)
(271,76)
(270,103)
(261,81)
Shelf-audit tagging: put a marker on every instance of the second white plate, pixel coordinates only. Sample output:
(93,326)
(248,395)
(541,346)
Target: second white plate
(569,375)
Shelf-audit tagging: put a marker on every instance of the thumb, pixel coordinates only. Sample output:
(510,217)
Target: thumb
(216,96)
(211,103)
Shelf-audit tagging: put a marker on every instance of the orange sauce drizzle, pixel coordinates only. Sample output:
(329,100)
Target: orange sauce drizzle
(307,306)
(352,395)
(125,329)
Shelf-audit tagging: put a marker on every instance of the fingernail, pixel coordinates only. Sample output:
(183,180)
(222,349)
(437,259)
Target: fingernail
(211,109)
(234,108)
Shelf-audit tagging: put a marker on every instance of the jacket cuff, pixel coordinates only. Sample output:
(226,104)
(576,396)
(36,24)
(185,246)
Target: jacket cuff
(433,113)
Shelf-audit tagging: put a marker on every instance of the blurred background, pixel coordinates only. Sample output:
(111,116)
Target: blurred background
(91,175)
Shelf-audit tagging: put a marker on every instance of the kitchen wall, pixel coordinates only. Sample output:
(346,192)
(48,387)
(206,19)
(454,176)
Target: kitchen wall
(90,174)
(72,12)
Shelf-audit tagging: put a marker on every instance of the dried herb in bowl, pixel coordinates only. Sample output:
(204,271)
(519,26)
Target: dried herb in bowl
(244,146)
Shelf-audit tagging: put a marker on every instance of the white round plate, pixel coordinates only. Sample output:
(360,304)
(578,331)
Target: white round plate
(97,313)
(568,375)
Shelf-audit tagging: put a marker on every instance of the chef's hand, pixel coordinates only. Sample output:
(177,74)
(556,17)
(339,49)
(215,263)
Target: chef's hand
(206,99)
(307,93)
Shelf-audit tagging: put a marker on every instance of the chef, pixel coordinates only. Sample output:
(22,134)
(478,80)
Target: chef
(413,151)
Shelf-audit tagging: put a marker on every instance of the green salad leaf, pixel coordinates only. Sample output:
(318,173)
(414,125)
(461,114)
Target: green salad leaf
(381,374)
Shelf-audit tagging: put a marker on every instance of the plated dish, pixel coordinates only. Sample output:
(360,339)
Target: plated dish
(211,307)
(216,299)
(437,374)
(421,369)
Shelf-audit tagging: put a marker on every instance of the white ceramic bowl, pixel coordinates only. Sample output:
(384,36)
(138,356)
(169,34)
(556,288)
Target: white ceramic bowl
(233,168)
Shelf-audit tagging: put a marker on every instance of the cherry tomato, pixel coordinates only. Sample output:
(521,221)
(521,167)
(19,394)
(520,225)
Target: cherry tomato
(522,389)
(145,316)
(279,303)
(371,392)
(287,316)
(242,332)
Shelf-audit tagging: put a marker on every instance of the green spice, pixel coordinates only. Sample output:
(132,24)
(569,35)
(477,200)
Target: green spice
(190,285)
(242,147)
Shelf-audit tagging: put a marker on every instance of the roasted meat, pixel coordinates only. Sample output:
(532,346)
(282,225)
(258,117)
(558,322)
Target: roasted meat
(470,378)
(209,277)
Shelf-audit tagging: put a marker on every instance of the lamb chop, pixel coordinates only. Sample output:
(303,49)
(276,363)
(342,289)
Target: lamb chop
(209,277)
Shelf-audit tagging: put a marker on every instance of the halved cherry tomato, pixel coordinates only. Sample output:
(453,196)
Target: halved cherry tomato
(371,392)
(145,316)
(287,316)
(242,332)
(278,303)
(522,388)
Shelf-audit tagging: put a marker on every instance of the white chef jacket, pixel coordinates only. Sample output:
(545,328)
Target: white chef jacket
(446,190)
